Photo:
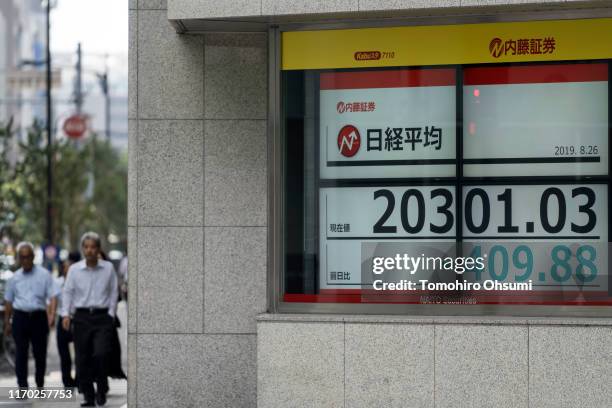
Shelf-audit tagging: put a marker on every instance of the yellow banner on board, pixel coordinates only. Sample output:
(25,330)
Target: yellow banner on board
(556,40)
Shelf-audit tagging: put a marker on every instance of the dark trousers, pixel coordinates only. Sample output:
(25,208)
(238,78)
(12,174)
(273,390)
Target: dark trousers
(64,338)
(92,343)
(30,327)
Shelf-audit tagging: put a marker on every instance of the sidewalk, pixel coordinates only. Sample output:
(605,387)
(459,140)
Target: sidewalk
(116,398)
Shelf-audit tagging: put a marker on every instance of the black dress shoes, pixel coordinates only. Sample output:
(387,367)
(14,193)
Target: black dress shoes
(70,384)
(101,399)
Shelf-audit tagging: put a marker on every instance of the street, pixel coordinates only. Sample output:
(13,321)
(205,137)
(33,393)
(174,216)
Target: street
(117,396)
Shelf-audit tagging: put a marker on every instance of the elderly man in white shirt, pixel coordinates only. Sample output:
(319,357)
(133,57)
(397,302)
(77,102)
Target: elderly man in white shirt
(26,297)
(91,290)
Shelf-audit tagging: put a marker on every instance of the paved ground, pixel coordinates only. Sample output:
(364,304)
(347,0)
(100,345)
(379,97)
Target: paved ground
(117,396)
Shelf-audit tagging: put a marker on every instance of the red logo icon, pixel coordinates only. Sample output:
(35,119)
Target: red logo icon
(349,141)
(341,107)
(496,47)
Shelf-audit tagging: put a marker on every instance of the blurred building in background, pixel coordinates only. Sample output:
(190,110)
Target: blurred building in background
(22,53)
(88,77)
(22,76)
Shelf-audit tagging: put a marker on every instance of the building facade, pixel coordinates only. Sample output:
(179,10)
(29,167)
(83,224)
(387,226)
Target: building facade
(22,84)
(238,265)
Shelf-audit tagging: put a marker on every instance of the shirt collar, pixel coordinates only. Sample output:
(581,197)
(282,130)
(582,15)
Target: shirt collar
(98,265)
(30,272)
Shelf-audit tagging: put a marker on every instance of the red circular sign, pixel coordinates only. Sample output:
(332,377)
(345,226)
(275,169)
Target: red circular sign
(75,126)
(349,141)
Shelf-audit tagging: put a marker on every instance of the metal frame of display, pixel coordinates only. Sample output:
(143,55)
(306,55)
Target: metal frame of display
(276,183)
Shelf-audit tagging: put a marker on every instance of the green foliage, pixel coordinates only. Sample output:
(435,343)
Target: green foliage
(89,189)
(12,195)
(109,201)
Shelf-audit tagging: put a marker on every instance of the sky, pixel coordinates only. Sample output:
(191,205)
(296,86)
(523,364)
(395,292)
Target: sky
(101,25)
(102,28)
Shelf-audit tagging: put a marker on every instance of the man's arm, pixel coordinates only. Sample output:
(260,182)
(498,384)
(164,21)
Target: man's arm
(52,292)
(9,297)
(67,294)
(8,311)
(51,307)
(112,308)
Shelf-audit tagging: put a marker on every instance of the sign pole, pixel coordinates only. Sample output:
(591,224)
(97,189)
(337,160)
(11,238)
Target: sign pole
(49,135)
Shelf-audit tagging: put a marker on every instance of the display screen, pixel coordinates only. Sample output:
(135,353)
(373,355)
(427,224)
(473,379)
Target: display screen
(407,174)
(546,120)
(387,124)
(398,214)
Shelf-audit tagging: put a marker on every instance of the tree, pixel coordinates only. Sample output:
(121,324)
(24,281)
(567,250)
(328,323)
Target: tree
(109,199)
(12,197)
(89,190)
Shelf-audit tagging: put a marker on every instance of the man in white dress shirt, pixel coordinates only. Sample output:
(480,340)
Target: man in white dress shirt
(26,296)
(91,290)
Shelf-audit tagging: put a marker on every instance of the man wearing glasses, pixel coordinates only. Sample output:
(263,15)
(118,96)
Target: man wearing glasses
(26,297)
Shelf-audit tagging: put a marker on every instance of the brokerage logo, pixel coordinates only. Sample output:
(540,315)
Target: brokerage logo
(496,47)
(349,141)
(342,107)
(367,55)
(522,46)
